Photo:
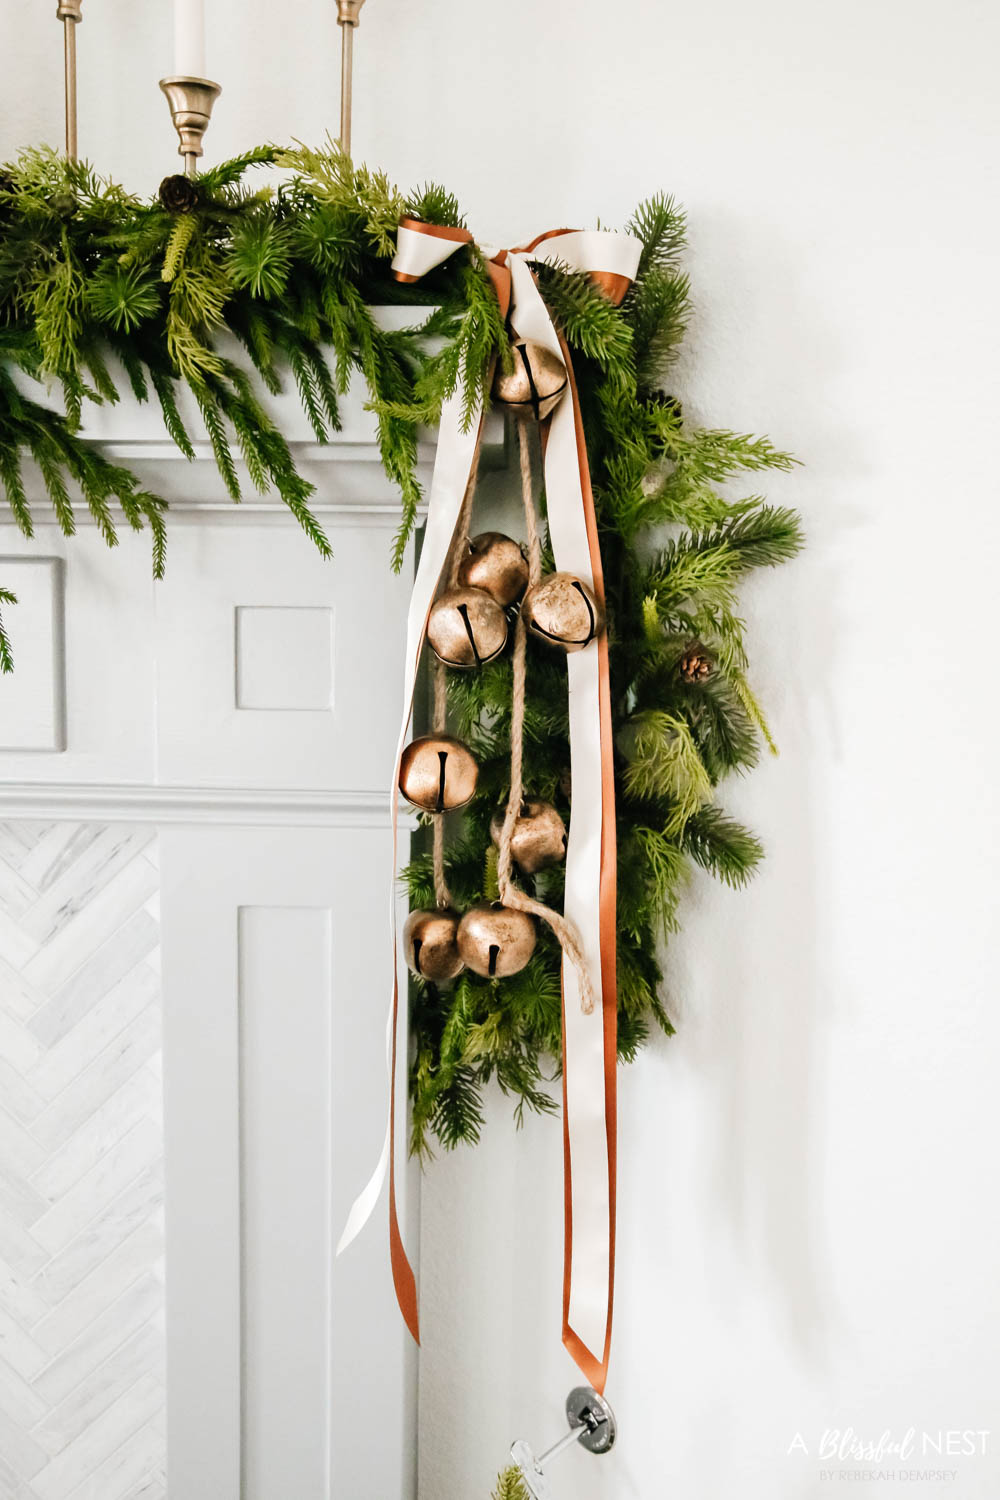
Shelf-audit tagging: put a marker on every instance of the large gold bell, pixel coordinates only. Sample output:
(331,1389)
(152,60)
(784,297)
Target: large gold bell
(539,836)
(466,628)
(496,563)
(429,941)
(535,384)
(562,610)
(496,940)
(437,773)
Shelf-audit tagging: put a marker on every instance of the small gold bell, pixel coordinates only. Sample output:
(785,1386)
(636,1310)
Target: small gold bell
(536,383)
(429,941)
(496,940)
(539,836)
(496,563)
(563,611)
(437,773)
(466,628)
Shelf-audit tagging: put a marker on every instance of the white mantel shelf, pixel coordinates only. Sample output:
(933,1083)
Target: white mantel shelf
(245,807)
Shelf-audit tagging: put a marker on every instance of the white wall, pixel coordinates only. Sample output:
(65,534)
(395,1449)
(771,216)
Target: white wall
(809,1230)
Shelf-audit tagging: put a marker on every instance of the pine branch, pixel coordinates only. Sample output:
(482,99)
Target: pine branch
(661,225)
(722,846)
(708,563)
(123,296)
(229,173)
(184,230)
(659,308)
(6,655)
(260,257)
(589,321)
(10,475)
(207,404)
(664,873)
(434,204)
(662,760)
(163,385)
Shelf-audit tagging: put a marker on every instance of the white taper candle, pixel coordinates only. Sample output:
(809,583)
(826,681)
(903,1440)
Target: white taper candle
(189,38)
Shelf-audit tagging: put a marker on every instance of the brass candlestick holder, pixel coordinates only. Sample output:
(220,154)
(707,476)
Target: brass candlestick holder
(69,12)
(348,18)
(191,101)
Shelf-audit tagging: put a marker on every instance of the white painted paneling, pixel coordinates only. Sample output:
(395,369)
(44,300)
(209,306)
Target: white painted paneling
(270,641)
(33,699)
(274,1038)
(285,1021)
(220,575)
(105,672)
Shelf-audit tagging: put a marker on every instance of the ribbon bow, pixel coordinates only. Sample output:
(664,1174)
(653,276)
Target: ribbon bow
(589,1038)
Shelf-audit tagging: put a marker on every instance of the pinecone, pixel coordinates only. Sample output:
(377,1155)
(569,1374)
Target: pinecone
(695,665)
(178,194)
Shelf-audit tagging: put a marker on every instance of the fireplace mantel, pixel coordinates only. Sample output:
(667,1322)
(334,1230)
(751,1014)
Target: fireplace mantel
(231,730)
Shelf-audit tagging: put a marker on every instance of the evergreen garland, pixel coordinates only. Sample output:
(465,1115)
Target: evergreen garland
(100,288)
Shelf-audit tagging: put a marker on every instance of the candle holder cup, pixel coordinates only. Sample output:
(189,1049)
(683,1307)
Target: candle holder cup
(191,101)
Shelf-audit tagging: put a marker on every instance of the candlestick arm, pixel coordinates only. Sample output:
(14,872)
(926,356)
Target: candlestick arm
(70,13)
(348,19)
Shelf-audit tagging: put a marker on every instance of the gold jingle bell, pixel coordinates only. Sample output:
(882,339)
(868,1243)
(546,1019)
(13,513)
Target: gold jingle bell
(496,563)
(562,610)
(437,773)
(535,384)
(539,836)
(429,941)
(495,941)
(466,628)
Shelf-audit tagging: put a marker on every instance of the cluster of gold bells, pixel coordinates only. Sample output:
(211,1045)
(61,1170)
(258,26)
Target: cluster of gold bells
(467,627)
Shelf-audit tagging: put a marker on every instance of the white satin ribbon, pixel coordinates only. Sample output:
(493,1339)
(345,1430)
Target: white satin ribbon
(583,1034)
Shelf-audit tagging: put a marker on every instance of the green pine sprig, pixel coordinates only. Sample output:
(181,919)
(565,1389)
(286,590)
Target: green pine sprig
(6,655)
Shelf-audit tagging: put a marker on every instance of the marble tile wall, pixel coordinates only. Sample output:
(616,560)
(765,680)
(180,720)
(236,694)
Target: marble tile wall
(81,1165)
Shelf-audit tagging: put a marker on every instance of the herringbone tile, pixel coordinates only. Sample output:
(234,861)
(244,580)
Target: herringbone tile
(81,1165)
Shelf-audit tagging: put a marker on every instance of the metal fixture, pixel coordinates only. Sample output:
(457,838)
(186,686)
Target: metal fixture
(591,1424)
(190,101)
(69,12)
(348,18)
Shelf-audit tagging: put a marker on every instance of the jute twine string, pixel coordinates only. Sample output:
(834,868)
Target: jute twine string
(510,894)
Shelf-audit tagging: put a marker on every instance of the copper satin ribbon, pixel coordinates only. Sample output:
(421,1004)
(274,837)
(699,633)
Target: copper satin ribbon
(589,1132)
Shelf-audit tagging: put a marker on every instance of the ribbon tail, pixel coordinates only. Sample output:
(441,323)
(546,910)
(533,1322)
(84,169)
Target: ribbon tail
(454,461)
(403,1278)
(363,1206)
(589,1041)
